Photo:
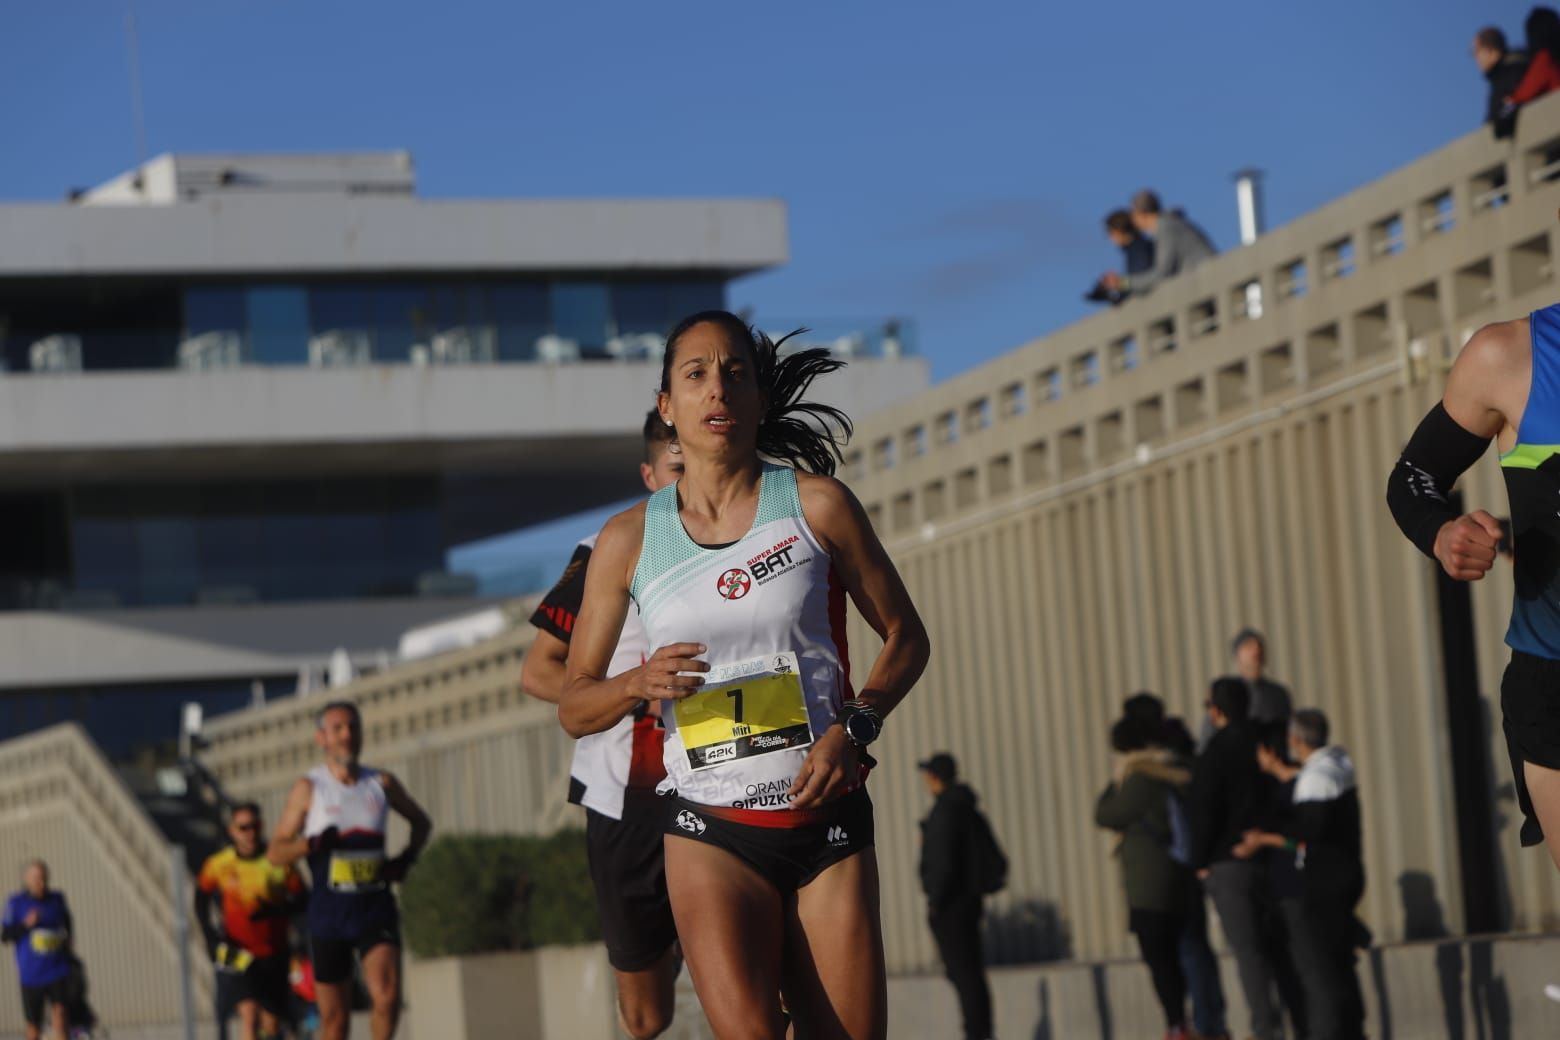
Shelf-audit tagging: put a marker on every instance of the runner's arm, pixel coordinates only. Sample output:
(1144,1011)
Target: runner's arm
(592,702)
(405,805)
(288,845)
(203,901)
(1450,439)
(868,575)
(545,671)
(874,585)
(11,927)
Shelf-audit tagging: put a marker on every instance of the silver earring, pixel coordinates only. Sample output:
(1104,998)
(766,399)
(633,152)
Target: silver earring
(668,422)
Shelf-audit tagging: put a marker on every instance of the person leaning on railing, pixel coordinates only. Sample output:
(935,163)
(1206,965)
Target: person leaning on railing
(1179,245)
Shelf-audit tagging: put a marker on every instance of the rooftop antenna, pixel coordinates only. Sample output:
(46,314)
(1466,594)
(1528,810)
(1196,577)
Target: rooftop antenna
(137,114)
(1248,201)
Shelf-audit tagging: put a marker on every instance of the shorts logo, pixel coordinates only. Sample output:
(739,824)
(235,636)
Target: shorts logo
(733,584)
(690,822)
(837,836)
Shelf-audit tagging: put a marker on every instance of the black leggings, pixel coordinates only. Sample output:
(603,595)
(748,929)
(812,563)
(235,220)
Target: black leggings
(1159,937)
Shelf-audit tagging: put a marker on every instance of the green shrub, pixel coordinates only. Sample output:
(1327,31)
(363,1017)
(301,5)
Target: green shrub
(480,893)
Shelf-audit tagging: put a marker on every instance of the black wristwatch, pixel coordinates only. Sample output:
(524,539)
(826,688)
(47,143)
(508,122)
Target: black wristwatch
(861,722)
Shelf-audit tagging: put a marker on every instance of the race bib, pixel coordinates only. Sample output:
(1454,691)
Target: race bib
(352,871)
(753,708)
(233,959)
(46,940)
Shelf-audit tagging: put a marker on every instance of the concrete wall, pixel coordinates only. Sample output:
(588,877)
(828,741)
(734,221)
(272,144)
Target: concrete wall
(1073,550)
(60,802)
(297,234)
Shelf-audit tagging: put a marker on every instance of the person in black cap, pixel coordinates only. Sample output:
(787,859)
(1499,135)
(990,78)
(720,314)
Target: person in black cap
(949,875)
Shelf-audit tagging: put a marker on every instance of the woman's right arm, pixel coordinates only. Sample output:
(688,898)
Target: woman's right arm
(592,702)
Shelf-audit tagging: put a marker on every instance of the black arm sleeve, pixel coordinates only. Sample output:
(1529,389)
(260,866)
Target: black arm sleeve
(203,918)
(558,610)
(13,933)
(1418,490)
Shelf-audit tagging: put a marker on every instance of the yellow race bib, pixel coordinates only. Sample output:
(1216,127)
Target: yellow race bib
(46,940)
(356,871)
(760,713)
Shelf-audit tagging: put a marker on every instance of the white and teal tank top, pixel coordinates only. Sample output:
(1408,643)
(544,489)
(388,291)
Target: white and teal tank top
(771,610)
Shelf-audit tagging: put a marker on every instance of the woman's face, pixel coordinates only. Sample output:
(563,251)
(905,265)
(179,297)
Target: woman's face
(712,397)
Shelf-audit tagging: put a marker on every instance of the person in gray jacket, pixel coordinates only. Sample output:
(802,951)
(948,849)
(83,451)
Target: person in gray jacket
(1179,245)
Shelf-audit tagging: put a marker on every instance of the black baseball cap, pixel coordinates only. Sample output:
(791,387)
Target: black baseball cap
(942,766)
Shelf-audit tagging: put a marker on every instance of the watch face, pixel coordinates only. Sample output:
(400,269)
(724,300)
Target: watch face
(861,728)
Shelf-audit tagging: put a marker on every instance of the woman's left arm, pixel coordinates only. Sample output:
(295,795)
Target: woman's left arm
(874,585)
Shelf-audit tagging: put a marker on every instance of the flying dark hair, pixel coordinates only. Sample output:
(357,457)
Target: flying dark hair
(801,433)
(657,434)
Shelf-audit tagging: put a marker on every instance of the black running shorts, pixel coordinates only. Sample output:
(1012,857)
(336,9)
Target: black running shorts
(628,871)
(1530,716)
(264,982)
(788,857)
(35,997)
(333,958)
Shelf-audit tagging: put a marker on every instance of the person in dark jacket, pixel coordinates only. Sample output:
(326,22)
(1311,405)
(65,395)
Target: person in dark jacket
(1198,962)
(1137,254)
(1503,69)
(953,896)
(1137,804)
(1543,47)
(1321,836)
(1226,799)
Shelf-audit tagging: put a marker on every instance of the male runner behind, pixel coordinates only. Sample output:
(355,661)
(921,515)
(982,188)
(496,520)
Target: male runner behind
(249,948)
(1504,385)
(336,816)
(38,922)
(614,776)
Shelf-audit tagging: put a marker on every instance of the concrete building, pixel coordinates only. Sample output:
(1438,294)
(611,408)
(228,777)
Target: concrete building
(249,403)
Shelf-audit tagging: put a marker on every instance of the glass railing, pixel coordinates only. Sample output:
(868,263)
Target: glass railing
(347,347)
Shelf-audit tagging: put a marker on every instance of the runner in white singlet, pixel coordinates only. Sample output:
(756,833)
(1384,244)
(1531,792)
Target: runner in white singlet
(614,776)
(336,817)
(740,573)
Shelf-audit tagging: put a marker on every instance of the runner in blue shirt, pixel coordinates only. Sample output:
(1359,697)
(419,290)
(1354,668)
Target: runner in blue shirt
(38,922)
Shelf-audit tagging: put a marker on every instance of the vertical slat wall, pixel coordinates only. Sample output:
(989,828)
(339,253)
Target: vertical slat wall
(1044,621)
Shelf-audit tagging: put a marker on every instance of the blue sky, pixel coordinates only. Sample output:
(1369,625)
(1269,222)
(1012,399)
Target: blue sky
(946,163)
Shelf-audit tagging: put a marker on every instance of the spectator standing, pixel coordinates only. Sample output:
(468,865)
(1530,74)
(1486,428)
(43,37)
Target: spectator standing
(1138,804)
(1503,69)
(953,892)
(1179,245)
(1322,838)
(39,923)
(1226,799)
(1270,703)
(1198,962)
(1543,45)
